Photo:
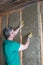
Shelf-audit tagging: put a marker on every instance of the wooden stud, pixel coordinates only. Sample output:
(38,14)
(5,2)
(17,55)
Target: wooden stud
(40,30)
(0,30)
(1,37)
(21,36)
(7,22)
(0,24)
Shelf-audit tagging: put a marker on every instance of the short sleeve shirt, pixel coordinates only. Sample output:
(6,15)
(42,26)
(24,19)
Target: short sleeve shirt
(11,53)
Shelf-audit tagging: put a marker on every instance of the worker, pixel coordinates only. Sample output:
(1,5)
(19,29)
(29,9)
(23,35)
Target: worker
(11,48)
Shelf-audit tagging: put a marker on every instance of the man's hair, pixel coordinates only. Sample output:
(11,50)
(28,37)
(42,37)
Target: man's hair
(6,31)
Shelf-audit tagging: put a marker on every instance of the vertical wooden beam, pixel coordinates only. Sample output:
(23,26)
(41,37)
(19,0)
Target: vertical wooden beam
(40,30)
(0,30)
(0,38)
(0,24)
(7,22)
(21,36)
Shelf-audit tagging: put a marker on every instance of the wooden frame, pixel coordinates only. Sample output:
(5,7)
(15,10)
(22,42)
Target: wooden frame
(6,8)
(40,26)
(0,33)
(21,36)
(40,29)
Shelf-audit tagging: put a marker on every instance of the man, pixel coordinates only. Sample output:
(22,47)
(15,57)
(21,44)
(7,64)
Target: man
(11,48)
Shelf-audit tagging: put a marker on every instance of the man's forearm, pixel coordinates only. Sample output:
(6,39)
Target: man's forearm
(17,30)
(25,46)
(27,43)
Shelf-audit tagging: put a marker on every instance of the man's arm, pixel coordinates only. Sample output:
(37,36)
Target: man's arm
(23,47)
(17,30)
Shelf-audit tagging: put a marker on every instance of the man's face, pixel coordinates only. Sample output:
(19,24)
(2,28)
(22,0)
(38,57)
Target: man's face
(12,34)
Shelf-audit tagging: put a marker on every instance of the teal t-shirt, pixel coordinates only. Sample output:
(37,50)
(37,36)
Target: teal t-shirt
(11,53)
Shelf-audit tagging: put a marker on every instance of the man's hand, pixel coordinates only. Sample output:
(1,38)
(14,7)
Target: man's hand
(30,35)
(17,30)
(21,25)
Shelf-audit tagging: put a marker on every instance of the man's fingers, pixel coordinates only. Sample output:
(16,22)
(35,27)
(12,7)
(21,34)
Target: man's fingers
(30,35)
(22,24)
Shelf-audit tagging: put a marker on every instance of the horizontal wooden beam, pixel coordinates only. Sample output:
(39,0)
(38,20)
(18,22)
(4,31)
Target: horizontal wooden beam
(11,7)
